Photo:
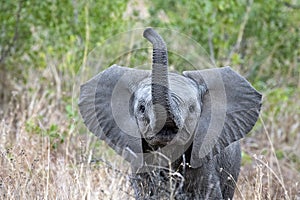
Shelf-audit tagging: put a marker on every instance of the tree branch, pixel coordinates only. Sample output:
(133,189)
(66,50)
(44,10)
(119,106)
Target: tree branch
(241,32)
(293,6)
(10,45)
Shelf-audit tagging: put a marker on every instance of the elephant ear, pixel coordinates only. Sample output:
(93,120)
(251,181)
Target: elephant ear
(230,109)
(104,104)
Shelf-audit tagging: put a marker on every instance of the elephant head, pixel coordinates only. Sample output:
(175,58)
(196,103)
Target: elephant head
(136,111)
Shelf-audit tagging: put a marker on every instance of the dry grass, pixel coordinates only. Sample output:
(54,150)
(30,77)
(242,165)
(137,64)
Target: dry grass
(45,153)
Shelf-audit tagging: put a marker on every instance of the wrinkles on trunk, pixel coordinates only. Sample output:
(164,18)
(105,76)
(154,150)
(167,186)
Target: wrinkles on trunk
(159,79)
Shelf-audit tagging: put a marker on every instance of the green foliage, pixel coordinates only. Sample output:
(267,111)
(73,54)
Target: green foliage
(246,158)
(14,28)
(57,29)
(279,154)
(262,38)
(55,136)
(279,97)
(294,158)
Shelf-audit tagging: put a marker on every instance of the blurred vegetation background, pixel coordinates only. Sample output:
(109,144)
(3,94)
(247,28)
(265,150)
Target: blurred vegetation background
(259,39)
(44,43)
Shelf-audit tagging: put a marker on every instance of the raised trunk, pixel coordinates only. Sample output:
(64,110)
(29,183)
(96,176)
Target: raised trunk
(159,79)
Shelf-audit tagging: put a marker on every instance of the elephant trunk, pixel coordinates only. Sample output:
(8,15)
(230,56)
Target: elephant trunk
(159,79)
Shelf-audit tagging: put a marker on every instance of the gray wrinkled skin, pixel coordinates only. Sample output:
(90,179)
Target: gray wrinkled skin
(185,100)
(216,179)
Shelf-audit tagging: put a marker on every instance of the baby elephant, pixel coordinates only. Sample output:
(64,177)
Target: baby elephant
(179,132)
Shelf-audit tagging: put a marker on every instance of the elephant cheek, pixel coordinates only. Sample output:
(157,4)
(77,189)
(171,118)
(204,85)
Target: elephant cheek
(143,129)
(188,131)
(183,137)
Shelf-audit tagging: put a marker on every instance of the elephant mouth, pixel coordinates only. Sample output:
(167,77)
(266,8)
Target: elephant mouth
(163,137)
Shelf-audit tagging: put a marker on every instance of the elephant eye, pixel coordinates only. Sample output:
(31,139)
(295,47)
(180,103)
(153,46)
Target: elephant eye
(142,108)
(192,108)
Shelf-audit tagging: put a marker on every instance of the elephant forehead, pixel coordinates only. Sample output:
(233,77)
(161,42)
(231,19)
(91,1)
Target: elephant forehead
(144,92)
(178,84)
(182,86)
